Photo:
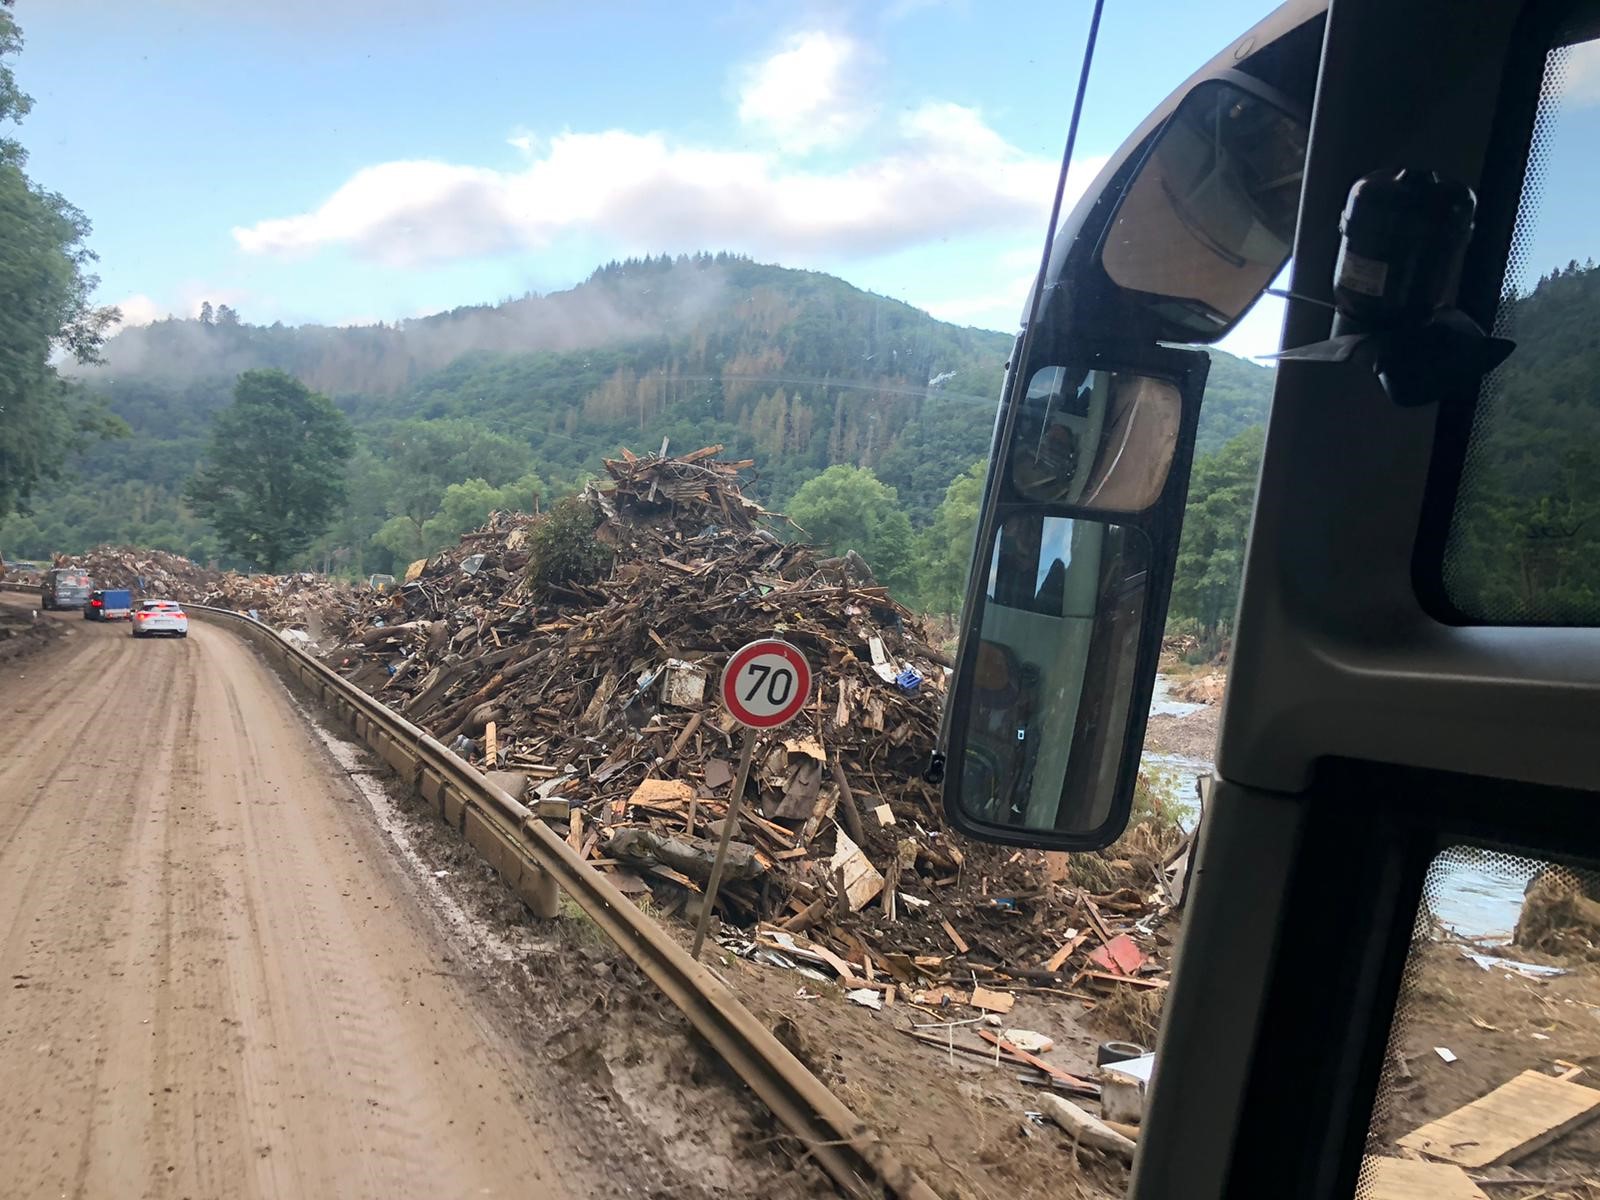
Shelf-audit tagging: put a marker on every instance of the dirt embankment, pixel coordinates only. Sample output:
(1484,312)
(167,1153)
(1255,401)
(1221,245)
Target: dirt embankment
(23,629)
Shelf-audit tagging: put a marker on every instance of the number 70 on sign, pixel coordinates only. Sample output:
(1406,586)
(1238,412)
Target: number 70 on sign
(766,683)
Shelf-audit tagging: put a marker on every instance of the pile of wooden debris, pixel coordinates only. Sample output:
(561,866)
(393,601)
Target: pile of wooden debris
(597,686)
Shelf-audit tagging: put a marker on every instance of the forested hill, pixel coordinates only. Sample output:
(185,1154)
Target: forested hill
(796,369)
(704,307)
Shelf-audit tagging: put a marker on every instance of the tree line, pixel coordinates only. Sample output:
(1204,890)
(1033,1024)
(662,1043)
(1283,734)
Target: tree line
(284,478)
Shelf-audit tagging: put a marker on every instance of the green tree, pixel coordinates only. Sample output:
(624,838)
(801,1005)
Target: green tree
(205,312)
(428,456)
(1216,524)
(273,476)
(850,508)
(45,281)
(944,549)
(465,506)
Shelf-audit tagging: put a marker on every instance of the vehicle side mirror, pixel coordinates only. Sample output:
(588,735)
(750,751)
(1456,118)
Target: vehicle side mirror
(1068,597)
(1209,219)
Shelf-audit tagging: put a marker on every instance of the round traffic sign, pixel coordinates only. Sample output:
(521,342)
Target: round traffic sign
(766,683)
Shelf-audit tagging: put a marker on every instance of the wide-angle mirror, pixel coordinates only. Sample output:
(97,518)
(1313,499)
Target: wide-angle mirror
(1210,217)
(1065,602)
(1096,439)
(1052,664)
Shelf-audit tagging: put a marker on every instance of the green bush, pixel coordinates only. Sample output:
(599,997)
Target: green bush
(563,548)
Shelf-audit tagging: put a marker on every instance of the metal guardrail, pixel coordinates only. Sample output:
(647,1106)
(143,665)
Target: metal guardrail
(526,854)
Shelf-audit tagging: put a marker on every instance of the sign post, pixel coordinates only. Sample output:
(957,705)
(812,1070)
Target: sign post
(765,685)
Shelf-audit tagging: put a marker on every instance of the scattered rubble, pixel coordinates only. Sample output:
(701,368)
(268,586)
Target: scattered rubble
(589,641)
(154,573)
(23,631)
(1561,914)
(1200,689)
(303,606)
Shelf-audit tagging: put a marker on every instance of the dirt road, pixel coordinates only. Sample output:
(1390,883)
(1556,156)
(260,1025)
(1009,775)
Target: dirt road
(212,980)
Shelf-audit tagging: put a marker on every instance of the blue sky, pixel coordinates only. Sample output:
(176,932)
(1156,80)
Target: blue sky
(357,160)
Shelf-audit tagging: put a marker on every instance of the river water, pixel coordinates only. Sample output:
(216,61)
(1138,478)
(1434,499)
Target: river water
(1473,894)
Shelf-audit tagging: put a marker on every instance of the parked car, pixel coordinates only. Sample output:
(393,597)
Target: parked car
(160,617)
(66,587)
(109,604)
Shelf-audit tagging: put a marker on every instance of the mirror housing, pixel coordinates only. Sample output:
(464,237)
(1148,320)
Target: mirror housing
(1067,600)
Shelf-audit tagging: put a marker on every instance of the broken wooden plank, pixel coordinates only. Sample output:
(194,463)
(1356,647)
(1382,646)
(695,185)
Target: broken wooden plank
(676,877)
(861,880)
(682,740)
(658,791)
(1521,1115)
(1093,913)
(1084,1129)
(955,938)
(847,799)
(1059,958)
(1033,1060)
(1108,977)
(991,1001)
(1409,1179)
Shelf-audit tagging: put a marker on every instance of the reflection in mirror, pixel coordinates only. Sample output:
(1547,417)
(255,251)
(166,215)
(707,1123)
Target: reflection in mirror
(1210,217)
(1098,439)
(1057,642)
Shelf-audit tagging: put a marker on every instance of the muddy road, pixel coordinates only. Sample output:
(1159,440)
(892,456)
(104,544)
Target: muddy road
(214,978)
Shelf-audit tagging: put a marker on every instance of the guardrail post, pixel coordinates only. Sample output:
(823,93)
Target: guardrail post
(533,884)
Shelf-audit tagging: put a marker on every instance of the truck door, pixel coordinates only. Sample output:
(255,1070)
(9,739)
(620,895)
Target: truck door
(1416,672)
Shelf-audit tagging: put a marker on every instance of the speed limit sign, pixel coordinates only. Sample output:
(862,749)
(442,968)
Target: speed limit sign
(766,684)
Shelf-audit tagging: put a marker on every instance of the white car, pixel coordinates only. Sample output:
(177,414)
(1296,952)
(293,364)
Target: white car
(160,616)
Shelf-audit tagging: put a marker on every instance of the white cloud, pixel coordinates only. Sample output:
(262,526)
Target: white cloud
(140,309)
(803,98)
(942,173)
(999,308)
(999,304)
(1580,83)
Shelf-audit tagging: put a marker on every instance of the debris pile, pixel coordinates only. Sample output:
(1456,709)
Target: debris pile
(154,573)
(22,631)
(303,605)
(595,681)
(1561,914)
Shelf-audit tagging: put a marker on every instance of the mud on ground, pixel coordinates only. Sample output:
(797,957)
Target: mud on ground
(643,1087)
(962,1123)
(1193,736)
(617,1047)
(1497,1025)
(614,1041)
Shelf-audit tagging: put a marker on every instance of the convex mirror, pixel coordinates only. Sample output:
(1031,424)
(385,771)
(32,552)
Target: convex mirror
(1062,623)
(1099,439)
(1209,219)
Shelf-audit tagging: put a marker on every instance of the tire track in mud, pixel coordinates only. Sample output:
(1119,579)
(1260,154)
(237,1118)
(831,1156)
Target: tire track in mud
(211,982)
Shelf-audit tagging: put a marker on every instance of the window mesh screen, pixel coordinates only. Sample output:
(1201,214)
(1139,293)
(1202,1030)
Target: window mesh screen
(1497,1027)
(1524,541)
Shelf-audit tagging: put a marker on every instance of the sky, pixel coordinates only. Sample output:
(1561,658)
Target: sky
(345,161)
(360,160)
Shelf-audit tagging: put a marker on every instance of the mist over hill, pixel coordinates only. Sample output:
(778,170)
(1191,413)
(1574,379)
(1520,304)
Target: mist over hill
(797,369)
